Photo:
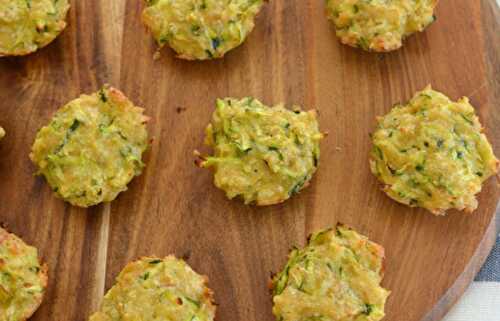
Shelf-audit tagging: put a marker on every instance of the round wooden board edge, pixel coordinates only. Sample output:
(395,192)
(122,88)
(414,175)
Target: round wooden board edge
(490,9)
(455,292)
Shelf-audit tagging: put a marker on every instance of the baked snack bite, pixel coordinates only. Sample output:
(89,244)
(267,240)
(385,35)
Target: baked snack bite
(379,25)
(432,153)
(26,26)
(335,277)
(200,30)
(92,148)
(262,154)
(23,281)
(157,289)
(2,133)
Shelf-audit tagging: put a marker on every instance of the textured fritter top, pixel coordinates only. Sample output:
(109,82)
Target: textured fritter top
(153,289)
(379,25)
(336,277)
(432,153)
(92,148)
(26,25)
(262,154)
(22,278)
(201,29)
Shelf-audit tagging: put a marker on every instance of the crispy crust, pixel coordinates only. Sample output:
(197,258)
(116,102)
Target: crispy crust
(78,169)
(60,25)
(42,274)
(127,280)
(189,51)
(207,292)
(418,143)
(360,31)
(295,290)
(266,166)
(380,248)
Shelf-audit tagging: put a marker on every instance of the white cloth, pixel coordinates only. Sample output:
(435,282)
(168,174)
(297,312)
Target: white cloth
(481,302)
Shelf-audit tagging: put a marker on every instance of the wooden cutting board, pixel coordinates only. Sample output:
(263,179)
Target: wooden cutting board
(292,56)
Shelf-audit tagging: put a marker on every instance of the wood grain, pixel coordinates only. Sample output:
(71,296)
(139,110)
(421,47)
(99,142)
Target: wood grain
(294,57)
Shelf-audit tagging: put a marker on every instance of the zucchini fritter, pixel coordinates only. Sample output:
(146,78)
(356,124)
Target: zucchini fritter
(92,148)
(262,154)
(201,29)
(432,153)
(23,279)
(27,25)
(157,289)
(379,25)
(336,277)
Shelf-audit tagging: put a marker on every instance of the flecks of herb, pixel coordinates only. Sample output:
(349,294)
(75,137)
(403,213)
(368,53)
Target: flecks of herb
(277,150)
(74,125)
(480,174)
(195,29)
(216,43)
(102,96)
(145,276)
(440,143)
(460,155)
(467,119)
(426,144)
(153,262)
(363,43)
(163,39)
(35,269)
(367,309)
(301,286)
(192,301)
(296,189)
(419,167)
(122,136)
